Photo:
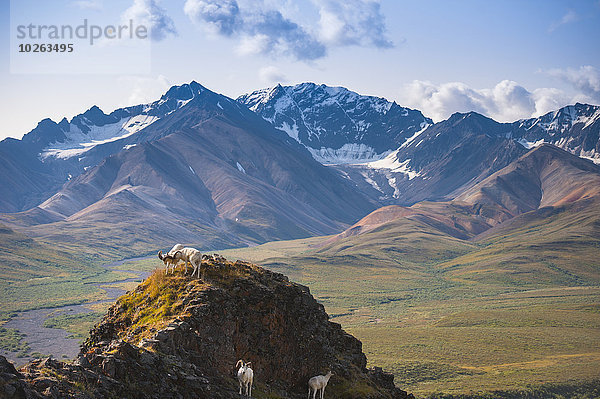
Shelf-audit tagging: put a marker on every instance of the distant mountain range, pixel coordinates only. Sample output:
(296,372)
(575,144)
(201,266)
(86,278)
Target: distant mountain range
(209,172)
(396,155)
(287,162)
(544,177)
(340,126)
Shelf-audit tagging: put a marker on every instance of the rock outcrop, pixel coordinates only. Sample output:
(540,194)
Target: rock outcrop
(179,337)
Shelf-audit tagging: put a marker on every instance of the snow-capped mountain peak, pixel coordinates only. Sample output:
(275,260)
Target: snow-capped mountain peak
(94,127)
(573,128)
(335,124)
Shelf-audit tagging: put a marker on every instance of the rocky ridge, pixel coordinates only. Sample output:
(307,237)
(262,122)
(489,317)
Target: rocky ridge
(178,337)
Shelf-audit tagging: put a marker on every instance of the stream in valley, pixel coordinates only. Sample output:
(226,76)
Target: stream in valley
(55,341)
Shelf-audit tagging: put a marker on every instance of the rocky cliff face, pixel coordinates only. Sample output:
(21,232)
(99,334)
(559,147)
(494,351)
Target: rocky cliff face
(178,337)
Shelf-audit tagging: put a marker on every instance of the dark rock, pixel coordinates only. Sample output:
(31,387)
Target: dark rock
(12,385)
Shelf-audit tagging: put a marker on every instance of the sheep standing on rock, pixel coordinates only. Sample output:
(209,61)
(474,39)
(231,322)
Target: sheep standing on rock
(176,247)
(192,256)
(318,383)
(169,260)
(245,377)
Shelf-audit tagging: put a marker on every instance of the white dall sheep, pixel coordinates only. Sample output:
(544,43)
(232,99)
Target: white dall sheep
(193,256)
(176,247)
(173,251)
(245,377)
(318,383)
(169,260)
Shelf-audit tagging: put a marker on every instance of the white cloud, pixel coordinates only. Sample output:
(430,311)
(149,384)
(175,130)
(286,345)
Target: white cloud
(267,26)
(261,29)
(585,79)
(550,99)
(220,16)
(151,15)
(570,16)
(271,74)
(352,22)
(144,90)
(505,102)
(253,44)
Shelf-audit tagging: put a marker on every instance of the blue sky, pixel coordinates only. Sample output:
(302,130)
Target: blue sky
(506,59)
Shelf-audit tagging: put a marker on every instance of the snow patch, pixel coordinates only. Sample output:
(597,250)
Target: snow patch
(192,169)
(182,103)
(128,146)
(392,183)
(592,155)
(372,182)
(392,163)
(79,142)
(291,131)
(588,121)
(530,144)
(424,126)
(241,168)
(350,153)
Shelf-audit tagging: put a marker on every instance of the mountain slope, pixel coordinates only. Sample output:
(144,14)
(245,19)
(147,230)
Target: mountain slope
(213,173)
(34,168)
(555,245)
(547,182)
(197,164)
(439,162)
(545,176)
(356,133)
(335,124)
(24,180)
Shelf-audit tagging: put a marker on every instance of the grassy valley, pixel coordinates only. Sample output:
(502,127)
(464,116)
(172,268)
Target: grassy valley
(515,307)
(455,298)
(37,275)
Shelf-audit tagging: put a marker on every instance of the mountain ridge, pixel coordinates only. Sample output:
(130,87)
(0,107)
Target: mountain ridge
(213,172)
(544,177)
(177,163)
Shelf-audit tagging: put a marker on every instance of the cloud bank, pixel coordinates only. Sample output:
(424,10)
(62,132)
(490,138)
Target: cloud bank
(262,27)
(271,74)
(144,90)
(507,101)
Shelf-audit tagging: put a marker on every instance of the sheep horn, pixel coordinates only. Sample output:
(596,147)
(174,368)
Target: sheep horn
(160,255)
(238,363)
